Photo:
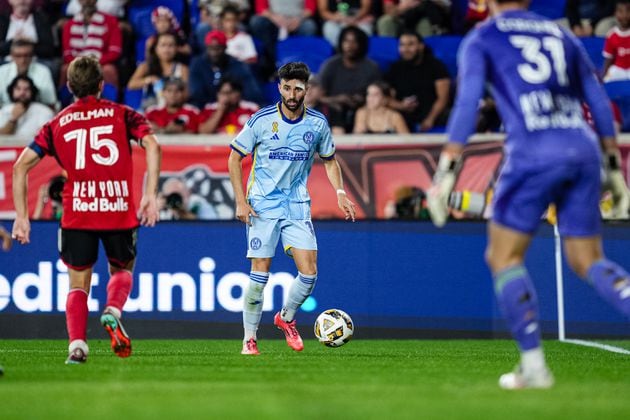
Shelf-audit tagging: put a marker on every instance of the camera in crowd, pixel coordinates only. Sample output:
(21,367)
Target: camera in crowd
(175,201)
(55,188)
(411,203)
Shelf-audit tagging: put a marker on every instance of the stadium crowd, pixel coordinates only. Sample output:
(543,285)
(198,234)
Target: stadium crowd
(205,66)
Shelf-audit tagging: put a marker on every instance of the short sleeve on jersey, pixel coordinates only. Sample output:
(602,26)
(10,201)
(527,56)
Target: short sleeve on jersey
(42,142)
(326,149)
(137,124)
(245,141)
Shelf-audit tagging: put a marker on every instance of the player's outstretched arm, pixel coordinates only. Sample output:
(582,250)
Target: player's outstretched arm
(443,183)
(22,227)
(333,171)
(243,210)
(148,205)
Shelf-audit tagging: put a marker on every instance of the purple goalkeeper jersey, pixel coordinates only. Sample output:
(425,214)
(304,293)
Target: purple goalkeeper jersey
(539,76)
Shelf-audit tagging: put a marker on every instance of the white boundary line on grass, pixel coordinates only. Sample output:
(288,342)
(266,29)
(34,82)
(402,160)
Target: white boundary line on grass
(560,291)
(613,349)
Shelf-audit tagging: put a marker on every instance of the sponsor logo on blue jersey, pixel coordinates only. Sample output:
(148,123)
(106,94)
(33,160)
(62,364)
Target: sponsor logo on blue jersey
(275,137)
(286,153)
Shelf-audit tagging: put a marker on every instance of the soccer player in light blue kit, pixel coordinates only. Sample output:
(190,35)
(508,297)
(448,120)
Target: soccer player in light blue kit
(283,139)
(540,75)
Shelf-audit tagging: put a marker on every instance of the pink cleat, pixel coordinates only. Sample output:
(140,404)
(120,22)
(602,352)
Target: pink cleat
(291,333)
(250,348)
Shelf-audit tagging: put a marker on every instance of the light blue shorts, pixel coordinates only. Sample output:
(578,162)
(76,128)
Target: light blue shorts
(263,235)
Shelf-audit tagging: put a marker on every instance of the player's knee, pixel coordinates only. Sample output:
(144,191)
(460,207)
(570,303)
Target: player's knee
(498,261)
(579,265)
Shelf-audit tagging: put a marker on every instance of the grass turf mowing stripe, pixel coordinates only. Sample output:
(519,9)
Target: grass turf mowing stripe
(367,379)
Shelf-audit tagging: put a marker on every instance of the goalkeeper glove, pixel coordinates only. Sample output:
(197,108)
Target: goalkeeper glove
(616,183)
(441,187)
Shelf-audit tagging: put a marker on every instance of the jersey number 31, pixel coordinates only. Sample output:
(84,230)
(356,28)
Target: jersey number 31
(538,68)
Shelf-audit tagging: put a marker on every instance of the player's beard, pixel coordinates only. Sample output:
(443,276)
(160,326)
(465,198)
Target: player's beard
(295,106)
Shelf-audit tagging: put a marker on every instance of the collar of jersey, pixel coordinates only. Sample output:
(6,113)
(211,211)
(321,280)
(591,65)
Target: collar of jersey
(288,121)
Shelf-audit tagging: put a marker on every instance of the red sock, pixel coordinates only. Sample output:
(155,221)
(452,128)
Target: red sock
(77,314)
(118,289)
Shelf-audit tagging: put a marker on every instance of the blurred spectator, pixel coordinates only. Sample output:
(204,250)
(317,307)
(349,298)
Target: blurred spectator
(5,6)
(276,20)
(207,70)
(24,23)
(24,116)
(338,14)
(49,205)
(376,117)
(229,113)
(209,17)
(110,7)
(5,239)
(314,95)
(175,116)
(160,64)
(165,22)
(177,202)
(240,45)
(22,63)
(409,202)
(421,82)
(590,17)
(92,33)
(617,45)
(346,76)
(427,17)
(476,12)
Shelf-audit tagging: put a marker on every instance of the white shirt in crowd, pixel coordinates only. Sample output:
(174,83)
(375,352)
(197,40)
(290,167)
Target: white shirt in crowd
(241,46)
(22,28)
(110,7)
(30,122)
(39,74)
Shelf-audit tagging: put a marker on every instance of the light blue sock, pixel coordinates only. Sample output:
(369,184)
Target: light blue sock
(301,288)
(253,303)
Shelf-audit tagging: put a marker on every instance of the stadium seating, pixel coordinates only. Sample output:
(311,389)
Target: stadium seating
(594,47)
(383,50)
(311,50)
(553,9)
(619,93)
(139,15)
(445,48)
(133,98)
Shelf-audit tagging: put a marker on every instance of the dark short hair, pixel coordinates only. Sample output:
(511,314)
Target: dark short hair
(235,84)
(84,76)
(360,36)
(230,8)
(295,70)
(414,34)
(175,81)
(20,42)
(28,80)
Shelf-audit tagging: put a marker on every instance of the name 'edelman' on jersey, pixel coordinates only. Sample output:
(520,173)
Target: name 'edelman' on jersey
(91,140)
(539,76)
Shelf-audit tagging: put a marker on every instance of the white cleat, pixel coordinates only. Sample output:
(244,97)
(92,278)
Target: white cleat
(536,379)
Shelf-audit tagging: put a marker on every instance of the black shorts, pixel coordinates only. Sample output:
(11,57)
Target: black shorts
(79,248)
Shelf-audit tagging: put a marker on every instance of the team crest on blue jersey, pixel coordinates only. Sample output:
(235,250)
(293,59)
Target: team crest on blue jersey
(308,137)
(255,243)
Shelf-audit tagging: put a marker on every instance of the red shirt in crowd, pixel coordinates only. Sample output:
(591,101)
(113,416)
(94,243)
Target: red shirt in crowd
(91,140)
(188,115)
(100,37)
(231,122)
(617,47)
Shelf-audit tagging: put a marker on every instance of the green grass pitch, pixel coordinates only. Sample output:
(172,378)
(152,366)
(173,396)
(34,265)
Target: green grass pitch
(366,379)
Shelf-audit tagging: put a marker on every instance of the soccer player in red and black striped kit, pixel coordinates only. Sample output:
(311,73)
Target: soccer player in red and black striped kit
(91,140)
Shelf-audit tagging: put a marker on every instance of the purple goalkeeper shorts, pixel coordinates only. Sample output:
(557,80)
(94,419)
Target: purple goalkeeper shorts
(523,194)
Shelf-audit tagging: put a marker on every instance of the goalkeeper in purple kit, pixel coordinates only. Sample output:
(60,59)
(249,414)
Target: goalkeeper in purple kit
(540,75)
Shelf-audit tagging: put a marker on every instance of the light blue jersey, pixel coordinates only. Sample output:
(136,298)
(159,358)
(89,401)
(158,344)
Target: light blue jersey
(283,152)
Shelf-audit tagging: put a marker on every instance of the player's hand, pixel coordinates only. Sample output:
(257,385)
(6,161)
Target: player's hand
(347,206)
(21,230)
(440,191)
(616,183)
(148,210)
(244,213)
